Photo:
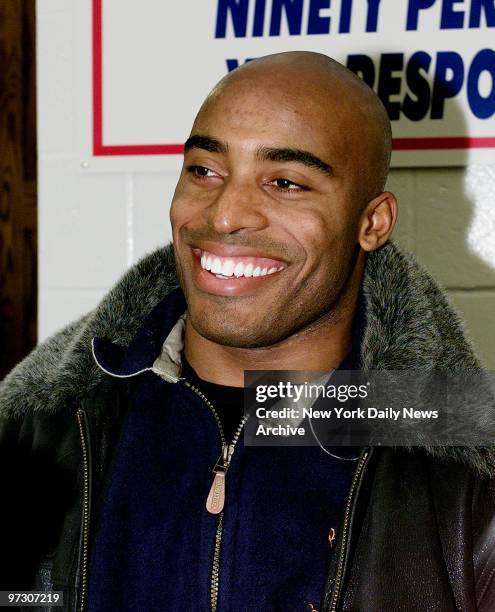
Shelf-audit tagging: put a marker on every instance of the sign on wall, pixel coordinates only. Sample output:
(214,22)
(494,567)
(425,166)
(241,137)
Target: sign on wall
(432,62)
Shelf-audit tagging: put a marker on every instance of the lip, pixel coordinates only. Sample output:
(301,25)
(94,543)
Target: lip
(225,250)
(233,286)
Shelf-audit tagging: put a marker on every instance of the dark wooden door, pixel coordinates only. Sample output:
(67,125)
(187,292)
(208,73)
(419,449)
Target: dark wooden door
(18,248)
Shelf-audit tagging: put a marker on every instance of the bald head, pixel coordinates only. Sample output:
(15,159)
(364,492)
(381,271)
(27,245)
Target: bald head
(317,85)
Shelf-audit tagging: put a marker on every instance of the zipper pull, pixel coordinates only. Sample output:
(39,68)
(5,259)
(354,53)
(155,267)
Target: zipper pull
(216,497)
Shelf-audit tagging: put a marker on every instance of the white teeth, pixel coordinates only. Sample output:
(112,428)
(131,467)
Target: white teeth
(223,268)
(227,267)
(239,269)
(216,268)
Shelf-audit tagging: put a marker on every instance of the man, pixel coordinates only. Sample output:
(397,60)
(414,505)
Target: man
(126,482)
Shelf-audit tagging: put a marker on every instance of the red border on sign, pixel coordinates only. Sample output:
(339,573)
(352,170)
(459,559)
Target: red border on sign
(98,147)
(399,144)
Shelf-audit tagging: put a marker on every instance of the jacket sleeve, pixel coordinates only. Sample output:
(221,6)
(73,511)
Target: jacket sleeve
(21,492)
(34,476)
(484,543)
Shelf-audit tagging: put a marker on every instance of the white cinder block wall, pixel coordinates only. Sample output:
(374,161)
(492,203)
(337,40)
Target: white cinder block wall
(92,226)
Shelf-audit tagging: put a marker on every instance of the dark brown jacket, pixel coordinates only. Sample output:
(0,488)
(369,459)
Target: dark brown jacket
(419,527)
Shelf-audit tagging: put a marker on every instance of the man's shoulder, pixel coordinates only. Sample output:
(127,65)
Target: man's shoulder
(61,369)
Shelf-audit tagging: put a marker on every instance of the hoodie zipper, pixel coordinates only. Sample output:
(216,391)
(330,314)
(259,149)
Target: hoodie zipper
(344,548)
(83,432)
(219,470)
(216,497)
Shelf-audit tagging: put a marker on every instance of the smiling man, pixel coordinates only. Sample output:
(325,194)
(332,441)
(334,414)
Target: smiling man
(282,193)
(129,484)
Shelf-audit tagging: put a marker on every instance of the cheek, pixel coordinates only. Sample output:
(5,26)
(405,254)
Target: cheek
(173,216)
(176,208)
(181,212)
(317,234)
(188,207)
(327,241)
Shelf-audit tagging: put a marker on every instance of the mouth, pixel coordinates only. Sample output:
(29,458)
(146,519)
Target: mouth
(247,267)
(229,274)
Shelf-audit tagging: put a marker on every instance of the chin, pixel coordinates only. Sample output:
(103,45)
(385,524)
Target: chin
(232,333)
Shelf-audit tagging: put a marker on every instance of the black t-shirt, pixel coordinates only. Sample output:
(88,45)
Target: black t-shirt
(227,401)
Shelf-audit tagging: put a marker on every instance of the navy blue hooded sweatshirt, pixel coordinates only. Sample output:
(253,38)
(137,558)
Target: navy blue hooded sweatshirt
(154,543)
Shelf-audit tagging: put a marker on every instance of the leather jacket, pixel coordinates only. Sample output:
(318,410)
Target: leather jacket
(418,530)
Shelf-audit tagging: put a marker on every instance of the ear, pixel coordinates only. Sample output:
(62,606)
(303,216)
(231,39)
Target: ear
(377,221)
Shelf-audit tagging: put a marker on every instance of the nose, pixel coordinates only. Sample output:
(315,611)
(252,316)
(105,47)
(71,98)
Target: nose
(237,207)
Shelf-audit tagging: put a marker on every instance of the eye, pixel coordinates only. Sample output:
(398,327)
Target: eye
(286,186)
(200,172)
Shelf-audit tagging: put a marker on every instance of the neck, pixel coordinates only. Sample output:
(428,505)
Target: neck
(321,346)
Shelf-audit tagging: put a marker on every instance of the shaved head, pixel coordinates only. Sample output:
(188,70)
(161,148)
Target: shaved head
(339,96)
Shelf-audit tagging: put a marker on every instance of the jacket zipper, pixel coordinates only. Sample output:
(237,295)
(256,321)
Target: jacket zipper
(356,481)
(216,497)
(83,430)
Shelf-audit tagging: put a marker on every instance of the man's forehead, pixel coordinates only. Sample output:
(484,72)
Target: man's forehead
(260,93)
(238,117)
(286,99)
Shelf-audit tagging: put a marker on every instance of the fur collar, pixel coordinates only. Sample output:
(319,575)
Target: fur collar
(409,324)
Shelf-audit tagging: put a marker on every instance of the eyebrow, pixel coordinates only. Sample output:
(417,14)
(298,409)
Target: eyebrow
(294,155)
(285,154)
(212,145)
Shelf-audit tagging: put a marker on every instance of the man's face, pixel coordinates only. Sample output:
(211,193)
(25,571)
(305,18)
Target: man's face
(264,215)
